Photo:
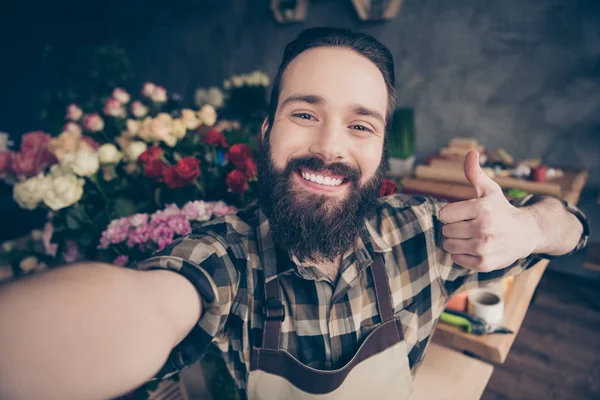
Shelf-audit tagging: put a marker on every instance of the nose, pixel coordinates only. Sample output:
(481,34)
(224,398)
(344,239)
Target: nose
(329,142)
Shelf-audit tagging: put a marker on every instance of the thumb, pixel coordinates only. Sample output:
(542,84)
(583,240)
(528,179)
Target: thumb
(483,184)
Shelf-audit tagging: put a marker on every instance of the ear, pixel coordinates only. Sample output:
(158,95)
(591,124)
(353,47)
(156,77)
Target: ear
(264,128)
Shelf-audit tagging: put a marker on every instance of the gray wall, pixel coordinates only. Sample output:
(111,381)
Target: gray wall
(519,74)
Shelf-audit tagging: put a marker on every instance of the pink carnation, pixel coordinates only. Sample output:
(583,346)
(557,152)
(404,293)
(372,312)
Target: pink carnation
(197,211)
(121,260)
(162,235)
(180,226)
(221,209)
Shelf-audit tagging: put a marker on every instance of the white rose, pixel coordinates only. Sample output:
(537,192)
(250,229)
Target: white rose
(60,170)
(238,81)
(208,115)
(148,89)
(215,97)
(121,95)
(5,141)
(28,194)
(28,264)
(37,235)
(200,97)
(178,129)
(264,79)
(139,109)
(74,112)
(255,78)
(8,246)
(189,119)
(109,154)
(134,150)
(227,84)
(159,95)
(83,163)
(64,191)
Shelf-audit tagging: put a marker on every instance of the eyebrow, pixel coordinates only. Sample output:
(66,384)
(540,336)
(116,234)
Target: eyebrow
(357,109)
(303,98)
(367,112)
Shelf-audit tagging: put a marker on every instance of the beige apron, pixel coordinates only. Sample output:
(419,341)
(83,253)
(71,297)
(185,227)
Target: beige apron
(378,371)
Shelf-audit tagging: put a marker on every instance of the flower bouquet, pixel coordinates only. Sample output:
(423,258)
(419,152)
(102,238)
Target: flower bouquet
(129,158)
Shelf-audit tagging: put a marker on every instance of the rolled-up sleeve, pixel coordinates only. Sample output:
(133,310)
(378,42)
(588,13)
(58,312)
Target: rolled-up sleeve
(457,279)
(206,263)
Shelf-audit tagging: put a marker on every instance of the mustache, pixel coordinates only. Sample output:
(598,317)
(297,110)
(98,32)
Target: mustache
(318,165)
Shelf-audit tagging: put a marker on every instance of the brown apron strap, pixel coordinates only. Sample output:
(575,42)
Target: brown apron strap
(273,315)
(382,290)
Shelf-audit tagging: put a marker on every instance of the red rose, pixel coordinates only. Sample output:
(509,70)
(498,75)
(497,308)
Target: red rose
(238,154)
(214,138)
(236,181)
(183,173)
(5,162)
(151,154)
(154,169)
(387,188)
(250,168)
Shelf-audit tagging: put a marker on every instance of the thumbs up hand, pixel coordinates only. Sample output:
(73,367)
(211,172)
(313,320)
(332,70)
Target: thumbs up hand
(486,233)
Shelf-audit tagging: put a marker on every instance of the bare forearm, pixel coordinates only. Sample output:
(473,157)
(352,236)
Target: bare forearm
(86,331)
(557,230)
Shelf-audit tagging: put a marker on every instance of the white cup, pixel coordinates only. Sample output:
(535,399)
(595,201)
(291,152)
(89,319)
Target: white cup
(487,304)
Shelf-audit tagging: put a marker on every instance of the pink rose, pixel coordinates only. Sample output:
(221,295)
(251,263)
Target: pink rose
(74,112)
(34,156)
(138,109)
(121,95)
(72,127)
(159,95)
(114,108)
(93,122)
(148,89)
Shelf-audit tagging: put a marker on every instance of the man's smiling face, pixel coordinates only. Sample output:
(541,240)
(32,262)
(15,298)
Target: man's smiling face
(322,159)
(332,106)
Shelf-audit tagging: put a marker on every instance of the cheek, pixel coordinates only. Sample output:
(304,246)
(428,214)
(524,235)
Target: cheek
(286,143)
(368,158)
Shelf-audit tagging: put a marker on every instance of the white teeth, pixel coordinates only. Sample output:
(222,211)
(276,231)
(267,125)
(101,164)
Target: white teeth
(322,180)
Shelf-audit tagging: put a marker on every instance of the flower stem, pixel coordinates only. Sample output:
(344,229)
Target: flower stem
(200,189)
(99,187)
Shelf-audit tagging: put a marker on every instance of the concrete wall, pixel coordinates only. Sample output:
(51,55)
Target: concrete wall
(519,74)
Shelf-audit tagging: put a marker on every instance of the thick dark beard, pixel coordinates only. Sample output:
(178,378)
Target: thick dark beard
(314,227)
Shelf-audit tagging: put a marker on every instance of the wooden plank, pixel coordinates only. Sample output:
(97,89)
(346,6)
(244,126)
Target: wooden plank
(495,348)
(447,375)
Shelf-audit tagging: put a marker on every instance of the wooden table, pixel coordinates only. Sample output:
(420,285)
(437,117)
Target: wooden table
(495,348)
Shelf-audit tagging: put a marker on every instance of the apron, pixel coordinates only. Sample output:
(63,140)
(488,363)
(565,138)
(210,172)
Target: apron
(379,370)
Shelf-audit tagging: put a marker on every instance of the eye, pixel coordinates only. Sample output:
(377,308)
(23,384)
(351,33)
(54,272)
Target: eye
(305,116)
(361,128)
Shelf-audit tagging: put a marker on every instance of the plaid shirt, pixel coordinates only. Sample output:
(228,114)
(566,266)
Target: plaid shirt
(228,260)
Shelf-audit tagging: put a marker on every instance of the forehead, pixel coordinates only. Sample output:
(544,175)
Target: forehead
(339,75)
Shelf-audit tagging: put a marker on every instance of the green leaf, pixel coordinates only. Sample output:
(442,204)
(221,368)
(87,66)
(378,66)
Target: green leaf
(124,207)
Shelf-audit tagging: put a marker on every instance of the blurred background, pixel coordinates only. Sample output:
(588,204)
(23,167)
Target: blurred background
(520,76)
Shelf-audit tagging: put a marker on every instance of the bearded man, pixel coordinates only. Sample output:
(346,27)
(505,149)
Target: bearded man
(319,290)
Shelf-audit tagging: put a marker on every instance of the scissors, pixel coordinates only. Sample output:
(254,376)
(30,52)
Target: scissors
(471,323)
